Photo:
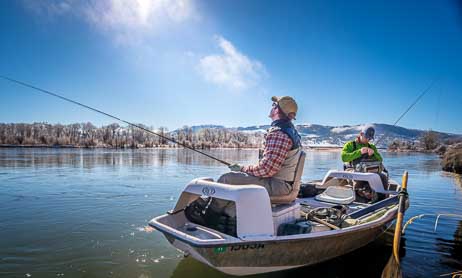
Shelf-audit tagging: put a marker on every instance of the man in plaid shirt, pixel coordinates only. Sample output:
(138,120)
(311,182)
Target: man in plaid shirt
(276,168)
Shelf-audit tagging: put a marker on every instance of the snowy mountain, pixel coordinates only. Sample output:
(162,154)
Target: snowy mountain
(335,136)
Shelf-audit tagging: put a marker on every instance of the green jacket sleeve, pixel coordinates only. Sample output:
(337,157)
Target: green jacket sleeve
(376,155)
(349,154)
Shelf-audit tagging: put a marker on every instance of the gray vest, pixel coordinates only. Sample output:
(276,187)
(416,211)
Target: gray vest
(289,166)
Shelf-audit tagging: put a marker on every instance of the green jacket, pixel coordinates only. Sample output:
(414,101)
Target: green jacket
(350,153)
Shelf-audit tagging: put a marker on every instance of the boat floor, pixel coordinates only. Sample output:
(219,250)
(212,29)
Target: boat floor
(311,203)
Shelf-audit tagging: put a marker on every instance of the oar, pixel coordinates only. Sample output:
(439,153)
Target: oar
(325,223)
(393,268)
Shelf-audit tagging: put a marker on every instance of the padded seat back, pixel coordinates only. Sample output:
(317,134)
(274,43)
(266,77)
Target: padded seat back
(289,198)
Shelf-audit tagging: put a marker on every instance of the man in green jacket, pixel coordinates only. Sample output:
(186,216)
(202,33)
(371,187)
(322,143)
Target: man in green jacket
(360,149)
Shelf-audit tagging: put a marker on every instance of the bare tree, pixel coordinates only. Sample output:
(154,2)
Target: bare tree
(430,140)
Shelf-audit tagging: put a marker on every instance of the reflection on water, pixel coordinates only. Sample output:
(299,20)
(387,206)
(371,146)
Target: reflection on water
(456,250)
(84,158)
(82,213)
(450,246)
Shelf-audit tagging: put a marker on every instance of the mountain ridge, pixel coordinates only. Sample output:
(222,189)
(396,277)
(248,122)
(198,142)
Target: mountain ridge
(316,135)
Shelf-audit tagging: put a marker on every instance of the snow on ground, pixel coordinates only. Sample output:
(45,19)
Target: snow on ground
(340,129)
(346,128)
(323,144)
(308,135)
(350,136)
(254,131)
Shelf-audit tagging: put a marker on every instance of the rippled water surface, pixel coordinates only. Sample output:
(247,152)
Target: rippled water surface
(82,213)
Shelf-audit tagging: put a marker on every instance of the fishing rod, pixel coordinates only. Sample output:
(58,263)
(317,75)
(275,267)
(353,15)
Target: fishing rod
(424,92)
(110,116)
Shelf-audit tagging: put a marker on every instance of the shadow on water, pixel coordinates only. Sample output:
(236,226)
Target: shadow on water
(451,247)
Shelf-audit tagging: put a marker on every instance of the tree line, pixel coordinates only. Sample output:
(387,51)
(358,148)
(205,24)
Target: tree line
(116,136)
(430,141)
(450,150)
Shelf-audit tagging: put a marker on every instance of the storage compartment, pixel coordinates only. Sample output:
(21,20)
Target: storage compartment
(285,214)
(198,231)
(287,229)
(301,227)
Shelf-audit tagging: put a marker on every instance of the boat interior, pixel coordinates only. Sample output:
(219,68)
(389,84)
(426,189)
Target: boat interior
(336,204)
(208,211)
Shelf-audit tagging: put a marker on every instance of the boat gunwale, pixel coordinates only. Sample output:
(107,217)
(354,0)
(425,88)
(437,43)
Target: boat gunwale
(201,243)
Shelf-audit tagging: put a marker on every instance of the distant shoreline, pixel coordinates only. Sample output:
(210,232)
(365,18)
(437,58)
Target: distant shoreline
(42,146)
(113,148)
(324,149)
(9,146)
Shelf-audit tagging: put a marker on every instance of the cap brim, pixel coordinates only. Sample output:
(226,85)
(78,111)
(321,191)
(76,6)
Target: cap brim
(275,98)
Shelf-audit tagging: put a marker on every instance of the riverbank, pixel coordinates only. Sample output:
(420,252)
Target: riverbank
(165,147)
(452,159)
(40,146)
(450,151)
(119,148)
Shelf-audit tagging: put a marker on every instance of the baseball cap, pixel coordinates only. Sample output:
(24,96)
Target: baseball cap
(287,104)
(369,132)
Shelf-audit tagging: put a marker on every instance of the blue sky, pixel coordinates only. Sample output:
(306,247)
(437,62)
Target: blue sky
(186,62)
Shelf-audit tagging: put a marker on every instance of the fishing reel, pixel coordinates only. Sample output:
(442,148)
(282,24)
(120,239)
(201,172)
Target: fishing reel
(369,167)
(334,215)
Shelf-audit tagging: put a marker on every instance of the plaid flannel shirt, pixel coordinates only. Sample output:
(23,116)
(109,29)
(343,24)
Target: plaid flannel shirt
(277,146)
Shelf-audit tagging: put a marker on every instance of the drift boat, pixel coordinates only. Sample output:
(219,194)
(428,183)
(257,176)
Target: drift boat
(271,237)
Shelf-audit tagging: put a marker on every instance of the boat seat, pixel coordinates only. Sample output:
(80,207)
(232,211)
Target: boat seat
(289,198)
(341,195)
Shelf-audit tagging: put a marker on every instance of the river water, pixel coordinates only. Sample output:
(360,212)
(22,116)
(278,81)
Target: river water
(83,213)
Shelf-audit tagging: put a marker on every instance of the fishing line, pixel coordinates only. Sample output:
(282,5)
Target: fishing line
(438,106)
(438,216)
(110,116)
(409,108)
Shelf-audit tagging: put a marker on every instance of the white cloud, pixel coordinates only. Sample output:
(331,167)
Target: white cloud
(231,69)
(124,19)
(138,13)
